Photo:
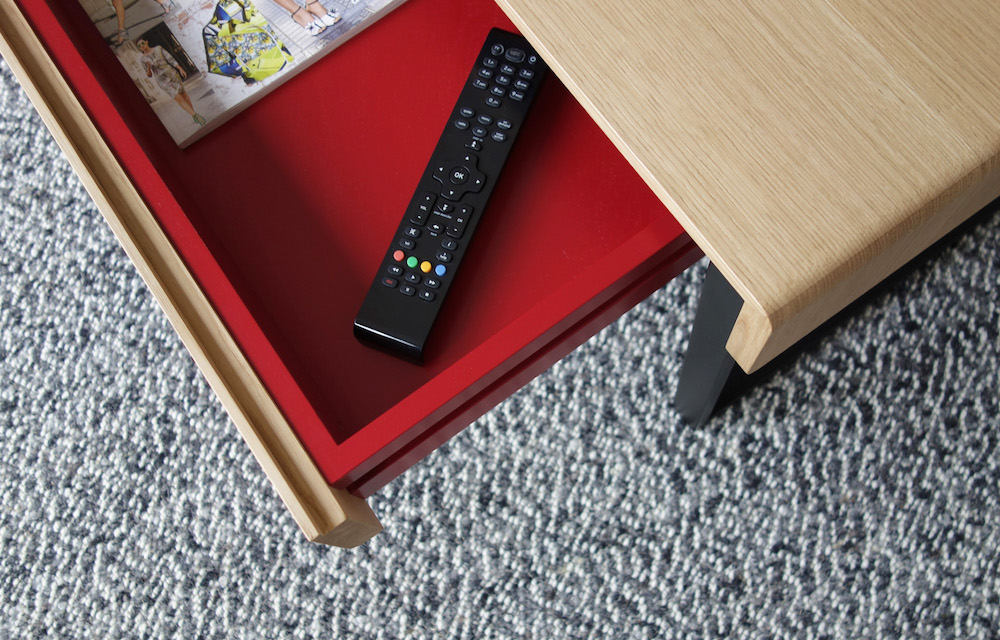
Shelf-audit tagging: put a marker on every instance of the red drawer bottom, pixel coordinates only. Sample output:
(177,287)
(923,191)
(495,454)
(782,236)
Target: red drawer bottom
(283,214)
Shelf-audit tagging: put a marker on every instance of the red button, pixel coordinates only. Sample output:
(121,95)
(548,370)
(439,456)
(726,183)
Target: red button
(398,255)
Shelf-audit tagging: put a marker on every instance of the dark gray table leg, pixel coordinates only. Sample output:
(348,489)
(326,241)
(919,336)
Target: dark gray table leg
(708,369)
(710,377)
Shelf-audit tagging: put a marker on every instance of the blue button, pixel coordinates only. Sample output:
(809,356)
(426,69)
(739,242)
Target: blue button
(440,270)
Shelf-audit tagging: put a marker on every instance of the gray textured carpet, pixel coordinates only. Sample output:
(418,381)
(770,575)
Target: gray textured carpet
(852,495)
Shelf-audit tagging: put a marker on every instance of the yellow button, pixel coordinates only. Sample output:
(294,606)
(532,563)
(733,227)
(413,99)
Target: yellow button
(425,266)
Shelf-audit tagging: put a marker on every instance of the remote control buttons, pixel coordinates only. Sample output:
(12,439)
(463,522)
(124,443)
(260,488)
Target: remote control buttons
(497,49)
(398,255)
(515,55)
(424,272)
(458,178)
(503,76)
(479,128)
(459,175)
(423,209)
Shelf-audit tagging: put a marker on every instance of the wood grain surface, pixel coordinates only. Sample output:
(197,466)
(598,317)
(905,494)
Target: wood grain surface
(810,148)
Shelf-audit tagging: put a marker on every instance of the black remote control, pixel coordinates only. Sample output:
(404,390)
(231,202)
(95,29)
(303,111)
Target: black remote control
(427,249)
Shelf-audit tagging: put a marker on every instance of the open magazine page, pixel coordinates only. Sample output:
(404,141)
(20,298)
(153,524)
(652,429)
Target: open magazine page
(198,62)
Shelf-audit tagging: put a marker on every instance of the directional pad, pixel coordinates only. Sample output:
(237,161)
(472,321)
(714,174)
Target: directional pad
(459,177)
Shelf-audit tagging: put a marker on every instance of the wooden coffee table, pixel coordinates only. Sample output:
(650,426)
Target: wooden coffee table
(809,148)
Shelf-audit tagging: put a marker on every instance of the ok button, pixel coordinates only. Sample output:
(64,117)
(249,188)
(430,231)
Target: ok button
(459,175)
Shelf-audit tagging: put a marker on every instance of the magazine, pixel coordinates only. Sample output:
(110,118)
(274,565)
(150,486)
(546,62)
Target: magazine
(198,62)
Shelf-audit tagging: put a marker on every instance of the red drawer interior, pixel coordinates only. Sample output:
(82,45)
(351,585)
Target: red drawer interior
(284,212)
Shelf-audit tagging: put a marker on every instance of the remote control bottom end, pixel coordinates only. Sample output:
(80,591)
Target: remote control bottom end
(388,343)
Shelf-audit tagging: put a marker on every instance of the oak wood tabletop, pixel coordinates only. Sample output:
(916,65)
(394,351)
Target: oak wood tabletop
(809,148)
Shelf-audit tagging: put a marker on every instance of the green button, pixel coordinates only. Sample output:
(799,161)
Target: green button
(412,262)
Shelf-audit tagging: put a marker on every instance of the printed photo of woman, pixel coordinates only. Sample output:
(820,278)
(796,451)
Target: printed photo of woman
(169,76)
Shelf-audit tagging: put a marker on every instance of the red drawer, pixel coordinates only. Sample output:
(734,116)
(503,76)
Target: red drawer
(282,215)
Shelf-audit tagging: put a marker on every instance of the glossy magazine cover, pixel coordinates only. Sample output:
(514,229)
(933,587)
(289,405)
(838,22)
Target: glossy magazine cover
(198,62)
